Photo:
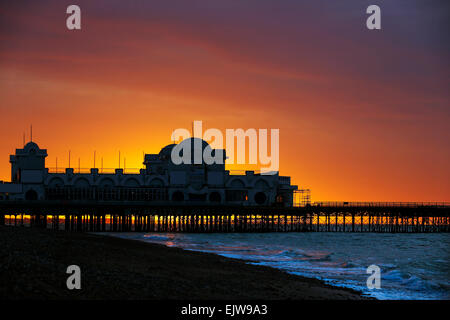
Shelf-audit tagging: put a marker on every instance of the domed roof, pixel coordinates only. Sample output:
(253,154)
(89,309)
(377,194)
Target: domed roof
(196,146)
(167,150)
(194,142)
(30,146)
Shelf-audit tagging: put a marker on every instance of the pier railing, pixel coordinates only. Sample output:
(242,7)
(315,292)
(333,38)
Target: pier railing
(136,170)
(77,170)
(343,204)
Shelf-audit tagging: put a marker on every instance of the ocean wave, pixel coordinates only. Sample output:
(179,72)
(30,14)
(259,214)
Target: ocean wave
(156,238)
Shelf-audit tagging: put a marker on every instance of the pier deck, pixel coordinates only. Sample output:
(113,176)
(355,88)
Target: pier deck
(178,217)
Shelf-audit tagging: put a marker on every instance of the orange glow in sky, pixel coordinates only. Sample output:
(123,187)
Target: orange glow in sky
(363,115)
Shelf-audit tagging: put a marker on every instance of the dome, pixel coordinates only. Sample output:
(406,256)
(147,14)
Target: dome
(194,144)
(31,147)
(167,150)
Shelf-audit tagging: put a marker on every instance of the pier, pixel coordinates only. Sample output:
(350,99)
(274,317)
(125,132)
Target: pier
(142,216)
(168,197)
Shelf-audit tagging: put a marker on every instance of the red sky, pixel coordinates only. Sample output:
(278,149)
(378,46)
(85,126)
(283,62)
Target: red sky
(363,115)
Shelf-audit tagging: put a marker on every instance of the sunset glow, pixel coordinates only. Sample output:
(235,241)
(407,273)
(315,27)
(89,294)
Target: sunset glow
(363,116)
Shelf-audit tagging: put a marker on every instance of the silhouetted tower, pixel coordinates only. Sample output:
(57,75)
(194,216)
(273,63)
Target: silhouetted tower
(28,164)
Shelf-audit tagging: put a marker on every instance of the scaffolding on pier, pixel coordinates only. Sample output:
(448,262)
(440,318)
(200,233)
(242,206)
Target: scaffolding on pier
(302,197)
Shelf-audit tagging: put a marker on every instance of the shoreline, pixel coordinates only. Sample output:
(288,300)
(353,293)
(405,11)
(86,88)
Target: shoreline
(35,262)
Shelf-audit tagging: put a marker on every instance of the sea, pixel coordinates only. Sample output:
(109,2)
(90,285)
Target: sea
(412,266)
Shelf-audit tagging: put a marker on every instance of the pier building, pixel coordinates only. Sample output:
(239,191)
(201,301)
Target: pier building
(159,181)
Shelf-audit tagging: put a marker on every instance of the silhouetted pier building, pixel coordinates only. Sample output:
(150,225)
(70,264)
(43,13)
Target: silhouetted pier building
(160,181)
(189,198)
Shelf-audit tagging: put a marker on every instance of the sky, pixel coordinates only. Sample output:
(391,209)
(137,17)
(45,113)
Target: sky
(363,114)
